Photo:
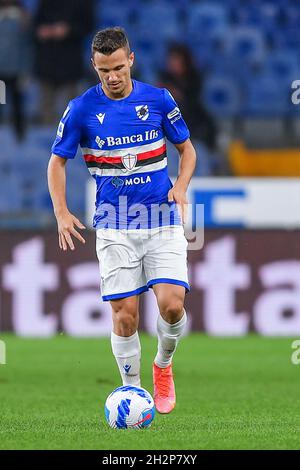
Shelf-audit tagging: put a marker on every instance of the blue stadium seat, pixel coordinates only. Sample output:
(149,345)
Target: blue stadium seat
(149,56)
(245,44)
(206,18)
(203,163)
(286,38)
(32,99)
(291,14)
(263,15)
(284,65)
(159,22)
(266,97)
(221,96)
(208,49)
(227,66)
(114,13)
(10,195)
(30,5)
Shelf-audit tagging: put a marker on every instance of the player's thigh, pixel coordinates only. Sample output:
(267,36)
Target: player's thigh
(120,263)
(166,258)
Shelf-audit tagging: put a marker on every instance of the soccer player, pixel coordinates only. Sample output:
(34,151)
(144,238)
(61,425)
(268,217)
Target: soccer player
(121,126)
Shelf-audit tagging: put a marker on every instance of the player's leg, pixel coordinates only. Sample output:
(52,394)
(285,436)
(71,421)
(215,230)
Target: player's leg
(125,339)
(122,280)
(171,325)
(171,321)
(165,266)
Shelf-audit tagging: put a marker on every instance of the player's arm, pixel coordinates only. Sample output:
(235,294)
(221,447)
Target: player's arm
(178,133)
(187,165)
(64,148)
(66,222)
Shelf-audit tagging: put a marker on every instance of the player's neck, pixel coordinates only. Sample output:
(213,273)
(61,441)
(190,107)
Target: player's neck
(119,96)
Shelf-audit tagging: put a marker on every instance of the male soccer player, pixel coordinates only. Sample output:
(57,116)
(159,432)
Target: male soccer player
(121,125)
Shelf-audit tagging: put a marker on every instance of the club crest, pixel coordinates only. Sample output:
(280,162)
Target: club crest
(142,112)
(129,161)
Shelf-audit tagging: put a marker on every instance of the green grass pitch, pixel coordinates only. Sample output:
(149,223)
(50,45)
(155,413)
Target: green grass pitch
(231,394)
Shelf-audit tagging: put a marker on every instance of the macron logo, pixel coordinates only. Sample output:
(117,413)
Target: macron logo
(100,117)
(127,368)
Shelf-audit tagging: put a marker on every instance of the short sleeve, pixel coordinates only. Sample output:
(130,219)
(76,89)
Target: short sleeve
(68,134)
(174,125)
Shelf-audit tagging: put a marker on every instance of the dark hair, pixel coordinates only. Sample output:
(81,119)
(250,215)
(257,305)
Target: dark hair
(109,40)
(184,53)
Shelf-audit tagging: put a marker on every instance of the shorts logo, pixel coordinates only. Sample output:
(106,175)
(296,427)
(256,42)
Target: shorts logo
(142,112)
(174,115)
(129,161)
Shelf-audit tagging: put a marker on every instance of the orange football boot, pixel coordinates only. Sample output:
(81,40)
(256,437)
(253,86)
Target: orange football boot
(164,389)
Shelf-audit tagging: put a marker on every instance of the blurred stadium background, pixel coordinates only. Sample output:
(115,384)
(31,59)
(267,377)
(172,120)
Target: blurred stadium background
(232,67)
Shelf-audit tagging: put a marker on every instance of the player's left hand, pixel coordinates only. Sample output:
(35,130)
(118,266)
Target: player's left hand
(178,194)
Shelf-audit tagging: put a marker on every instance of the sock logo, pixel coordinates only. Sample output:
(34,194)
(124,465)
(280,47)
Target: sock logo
(127,368)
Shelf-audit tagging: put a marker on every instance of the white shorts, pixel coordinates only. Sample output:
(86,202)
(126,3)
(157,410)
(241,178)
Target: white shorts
(131,261)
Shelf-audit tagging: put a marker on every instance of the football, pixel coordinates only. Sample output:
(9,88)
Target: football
(129,407)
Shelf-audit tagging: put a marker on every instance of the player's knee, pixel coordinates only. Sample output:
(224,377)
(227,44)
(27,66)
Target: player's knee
(171,310)
(125,321)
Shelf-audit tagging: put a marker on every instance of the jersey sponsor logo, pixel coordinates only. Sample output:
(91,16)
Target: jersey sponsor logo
(100,117)
(142,112)
(129,161)
(137,180)
(174,115)
(99,142)
(132,139)
(117,182)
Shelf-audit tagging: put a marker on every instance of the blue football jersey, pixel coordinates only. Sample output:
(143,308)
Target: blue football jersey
(123,143)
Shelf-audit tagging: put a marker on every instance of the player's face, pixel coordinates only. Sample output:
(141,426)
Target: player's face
(114,71)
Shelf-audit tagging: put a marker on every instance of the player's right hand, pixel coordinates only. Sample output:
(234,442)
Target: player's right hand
(66,229)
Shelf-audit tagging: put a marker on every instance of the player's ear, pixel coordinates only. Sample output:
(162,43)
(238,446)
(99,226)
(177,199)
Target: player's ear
(131,59)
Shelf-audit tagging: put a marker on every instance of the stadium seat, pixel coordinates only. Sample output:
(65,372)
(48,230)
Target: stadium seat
(206,19)
(221,96)
(286,38)
(208,50)
(10,196)
(283,65)
(30,5)
(32,99)
(164,19)
(262,15)
(114,13)
(149,57)
(245,44)
(266,97)
(291,14)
